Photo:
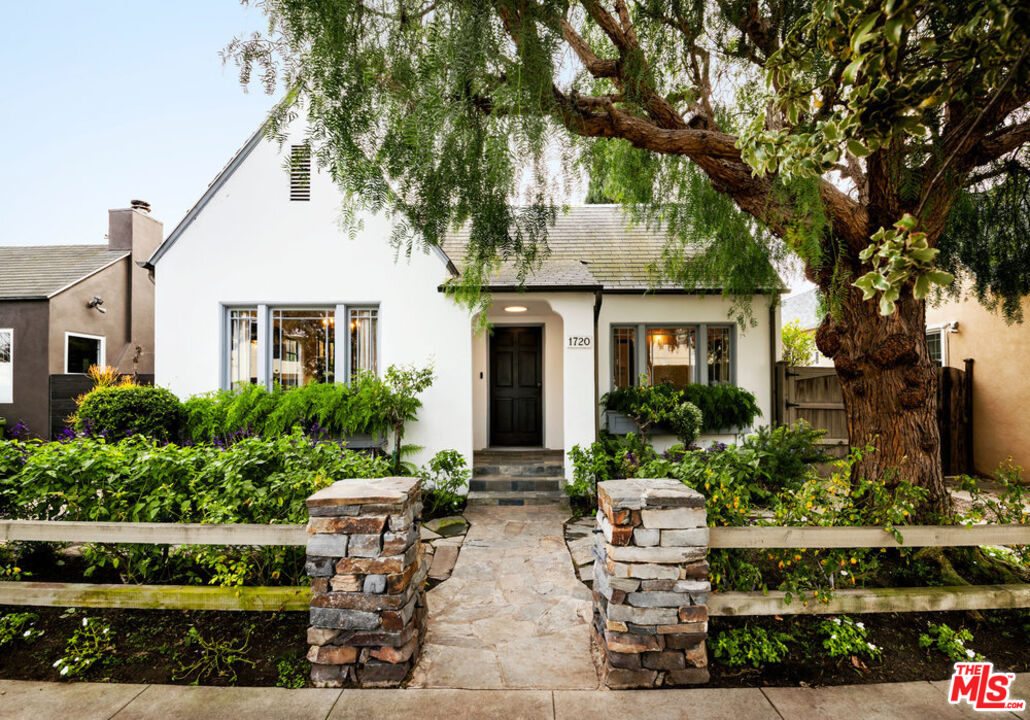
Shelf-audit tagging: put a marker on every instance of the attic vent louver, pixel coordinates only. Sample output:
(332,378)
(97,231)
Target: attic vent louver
(300,172)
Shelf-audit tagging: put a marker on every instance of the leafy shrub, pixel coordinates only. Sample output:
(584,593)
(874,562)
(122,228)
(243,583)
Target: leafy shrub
(118,411)
(722,406)
(843,637)
(749,645)
(951,643)
(442,482)
(685,421)
(89,644)
(217,657)
(798,344)
(19,626)
(785,454)
(368,405)
(140,480)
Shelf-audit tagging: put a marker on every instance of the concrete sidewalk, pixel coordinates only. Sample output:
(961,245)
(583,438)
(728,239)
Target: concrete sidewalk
(21,700)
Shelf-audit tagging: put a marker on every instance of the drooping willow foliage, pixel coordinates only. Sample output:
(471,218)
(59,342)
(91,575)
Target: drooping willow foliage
(752,131)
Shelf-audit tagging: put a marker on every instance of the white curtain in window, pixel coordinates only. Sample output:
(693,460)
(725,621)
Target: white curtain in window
(364,328)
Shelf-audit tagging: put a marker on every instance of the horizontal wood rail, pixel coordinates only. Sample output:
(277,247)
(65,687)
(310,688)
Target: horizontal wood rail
(154,597)
(151,533)
(874,600)
(857,537)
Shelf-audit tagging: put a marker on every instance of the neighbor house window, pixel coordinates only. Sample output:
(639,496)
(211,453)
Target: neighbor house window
(6,365)
(364,329)
(303,346)
(82,351)
(624,356)
(243,347)
(676,354)
(933,344)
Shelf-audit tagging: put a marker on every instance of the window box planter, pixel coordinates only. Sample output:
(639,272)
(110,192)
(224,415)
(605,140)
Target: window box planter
(618,424)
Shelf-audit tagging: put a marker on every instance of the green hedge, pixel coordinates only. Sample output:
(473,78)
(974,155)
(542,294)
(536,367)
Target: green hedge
(118,411)
(141,480)
(722,406)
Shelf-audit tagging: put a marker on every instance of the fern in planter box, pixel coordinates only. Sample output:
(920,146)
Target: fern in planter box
(722,407)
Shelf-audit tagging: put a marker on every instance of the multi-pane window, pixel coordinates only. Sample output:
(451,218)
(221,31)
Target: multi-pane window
(671,355)
(676,354)
(624,356)
(303,346)
(243,347)
(933,344)
(294,346)
(364,328)
(6,365)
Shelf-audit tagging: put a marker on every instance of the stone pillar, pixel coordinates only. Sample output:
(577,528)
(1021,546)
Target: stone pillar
(651,583)
(367,575)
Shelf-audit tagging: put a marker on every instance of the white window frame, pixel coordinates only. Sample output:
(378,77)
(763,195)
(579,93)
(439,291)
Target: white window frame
(341,366)
(944,330)
(101,361)
(8,399)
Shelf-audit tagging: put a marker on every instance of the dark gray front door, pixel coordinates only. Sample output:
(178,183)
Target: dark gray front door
(516,386)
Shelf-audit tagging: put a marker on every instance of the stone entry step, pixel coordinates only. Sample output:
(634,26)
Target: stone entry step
(517,497)
(506,483)
(519,470)
(518,457)
(517,477)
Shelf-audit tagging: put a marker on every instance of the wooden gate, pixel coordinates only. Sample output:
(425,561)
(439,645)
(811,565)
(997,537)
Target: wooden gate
(813,394)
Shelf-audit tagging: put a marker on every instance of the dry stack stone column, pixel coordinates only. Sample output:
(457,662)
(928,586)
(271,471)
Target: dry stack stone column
(650,583)
(367,576)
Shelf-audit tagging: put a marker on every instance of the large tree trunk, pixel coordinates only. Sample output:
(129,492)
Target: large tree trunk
(889,385)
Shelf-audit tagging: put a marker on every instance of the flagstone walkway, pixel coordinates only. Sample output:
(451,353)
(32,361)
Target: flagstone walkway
(512,614)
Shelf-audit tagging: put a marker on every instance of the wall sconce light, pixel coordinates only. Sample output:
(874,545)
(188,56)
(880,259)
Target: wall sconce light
(95,304)
(515,308)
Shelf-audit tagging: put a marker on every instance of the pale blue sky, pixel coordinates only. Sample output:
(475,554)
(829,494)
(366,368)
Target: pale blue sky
(107,101)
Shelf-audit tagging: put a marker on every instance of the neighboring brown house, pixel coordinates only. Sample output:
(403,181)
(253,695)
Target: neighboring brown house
(66,307)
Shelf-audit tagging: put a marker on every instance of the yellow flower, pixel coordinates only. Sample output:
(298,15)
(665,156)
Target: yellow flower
(853,561)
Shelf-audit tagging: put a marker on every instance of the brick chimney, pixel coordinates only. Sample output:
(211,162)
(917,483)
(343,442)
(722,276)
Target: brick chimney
(133,229)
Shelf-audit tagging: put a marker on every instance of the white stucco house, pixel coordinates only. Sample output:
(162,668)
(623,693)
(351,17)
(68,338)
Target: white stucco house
(263,252)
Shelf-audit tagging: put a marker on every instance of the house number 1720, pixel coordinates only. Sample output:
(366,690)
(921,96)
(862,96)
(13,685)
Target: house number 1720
(579,341)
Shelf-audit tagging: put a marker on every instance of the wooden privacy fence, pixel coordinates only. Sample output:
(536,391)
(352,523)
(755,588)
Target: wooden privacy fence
(813,394)
(197,597)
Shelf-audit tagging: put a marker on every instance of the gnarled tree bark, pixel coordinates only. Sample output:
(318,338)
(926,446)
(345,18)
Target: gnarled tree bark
(889,385)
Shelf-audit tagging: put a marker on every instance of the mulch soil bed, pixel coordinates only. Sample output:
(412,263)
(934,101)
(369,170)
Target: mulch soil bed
(152,646)
(1002,637)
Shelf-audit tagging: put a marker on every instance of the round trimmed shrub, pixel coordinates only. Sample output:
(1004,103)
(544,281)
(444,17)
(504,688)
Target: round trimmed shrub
(685,420)
(123,410)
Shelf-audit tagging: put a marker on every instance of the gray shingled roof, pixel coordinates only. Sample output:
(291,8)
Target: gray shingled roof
(590,245)
(39,271)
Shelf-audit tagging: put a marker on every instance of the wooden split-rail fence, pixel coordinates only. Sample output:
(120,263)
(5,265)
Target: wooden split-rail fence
(197,597)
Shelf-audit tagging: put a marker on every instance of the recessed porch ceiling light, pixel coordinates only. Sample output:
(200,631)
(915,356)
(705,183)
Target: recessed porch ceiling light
(515,308)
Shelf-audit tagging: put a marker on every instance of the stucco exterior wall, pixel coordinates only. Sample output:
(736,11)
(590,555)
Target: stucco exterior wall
(252,245)
(753,369)
(29,320)
(68,313)
(1001,378)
